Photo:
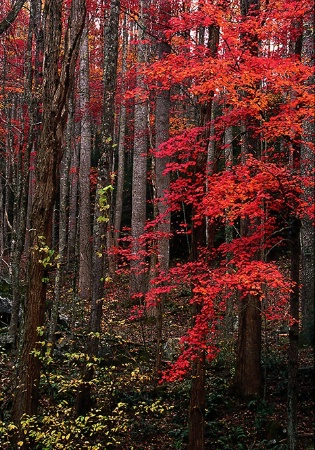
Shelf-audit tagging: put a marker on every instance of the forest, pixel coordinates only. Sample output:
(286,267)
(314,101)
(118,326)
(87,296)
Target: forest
(157,224)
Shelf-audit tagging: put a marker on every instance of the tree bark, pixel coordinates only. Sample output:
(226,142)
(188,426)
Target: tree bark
(56,89)
(139,173)
(85,260)
(162,180)
(248,371)
(22,187)
(121,142)
(307,228)
(102,203)
(196,426)
(293,354)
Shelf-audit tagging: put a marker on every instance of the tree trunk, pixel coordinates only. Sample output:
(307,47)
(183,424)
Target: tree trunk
(248,370)
(139,174)
(307,228)
(248,378)
(294,336)
(62,246)
(85,260)
(162,123)
(22,187)
(102,203)
(56,88)
(72,135)
(121,142)
(196,426)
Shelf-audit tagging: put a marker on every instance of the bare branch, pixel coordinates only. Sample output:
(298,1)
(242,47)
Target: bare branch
(11,16)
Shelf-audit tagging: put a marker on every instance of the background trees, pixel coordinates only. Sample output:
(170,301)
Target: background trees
(205,111)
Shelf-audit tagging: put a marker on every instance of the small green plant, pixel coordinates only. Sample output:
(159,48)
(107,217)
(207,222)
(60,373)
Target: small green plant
(104,202)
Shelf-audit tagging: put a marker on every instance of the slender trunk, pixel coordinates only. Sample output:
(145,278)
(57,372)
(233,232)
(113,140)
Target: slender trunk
(62,246)
(102,203)
(139,173)
(295,248)
(307,227)
(294,336)
(85,261)
(121,143)
(72,133)
(229,314)
(162,186)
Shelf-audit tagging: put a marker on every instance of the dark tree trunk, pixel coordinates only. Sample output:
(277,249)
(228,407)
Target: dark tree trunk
(293,360)
(56,88)
(196,426)
(102,204)
(248,377)
(138,283)
(307,227)
(22,186)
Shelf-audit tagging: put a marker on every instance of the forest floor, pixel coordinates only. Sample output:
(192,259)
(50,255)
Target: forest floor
(132,411)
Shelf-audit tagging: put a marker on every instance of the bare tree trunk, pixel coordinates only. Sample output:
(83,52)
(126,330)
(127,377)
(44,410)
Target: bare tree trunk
(139,173)
(295,248)
(121,143)
(62,246)
(85,260)
(102,202)
(248,370)
(307,227)
(22,186)
(294,336)
(56,88)
(162,122)
(229,314)
(196,428)
(73,132)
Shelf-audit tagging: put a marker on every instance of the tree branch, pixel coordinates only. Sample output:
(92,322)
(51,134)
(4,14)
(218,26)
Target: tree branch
(11,16)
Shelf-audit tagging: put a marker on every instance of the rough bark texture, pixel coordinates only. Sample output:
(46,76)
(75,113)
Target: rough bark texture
(248,370)
(295,247)
(121,142)
(162,185)
(102,201)
(85,260)
(203,234)
(307,227)
(139,175)
(62,246)
(56,88)
(35,33)
(294,336)
(248,378)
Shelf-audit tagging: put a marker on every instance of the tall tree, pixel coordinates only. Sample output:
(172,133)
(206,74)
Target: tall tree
(139,167)
(121,137)
(57,86)
(248,371)
(162,179)
(85,260)
(307,227)
(295,256)
(102,200)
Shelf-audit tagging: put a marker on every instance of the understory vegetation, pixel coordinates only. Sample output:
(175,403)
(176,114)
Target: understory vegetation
(133,410)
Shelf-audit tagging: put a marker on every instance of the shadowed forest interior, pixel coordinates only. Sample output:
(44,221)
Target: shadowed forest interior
(157,224)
